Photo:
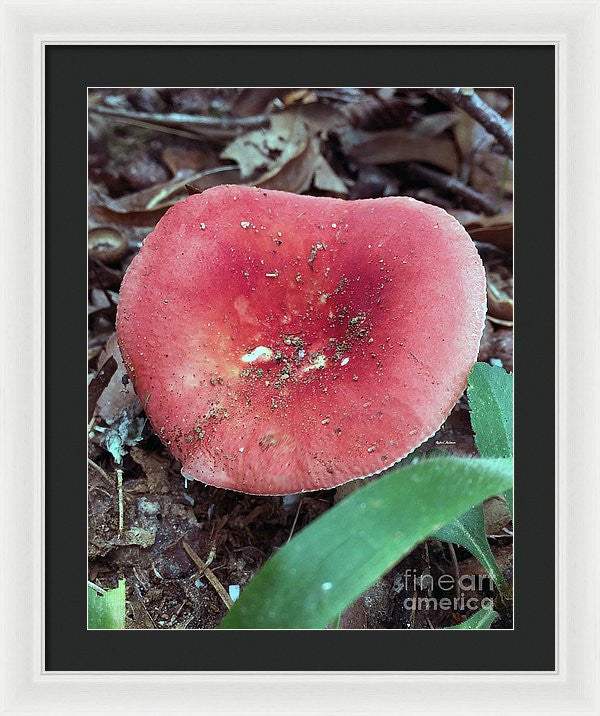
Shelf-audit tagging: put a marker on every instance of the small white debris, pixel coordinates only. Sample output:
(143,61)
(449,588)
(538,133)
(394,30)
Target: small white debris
(333,226)
(244,224)
(272,275)
(326,586)
(202,226)
(259,353)
(497,362)
(234,591)
(345,361)
(241,449)
(316,363)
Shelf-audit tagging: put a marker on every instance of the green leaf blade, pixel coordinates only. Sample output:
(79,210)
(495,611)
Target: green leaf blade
(490,394)
(326,567)
(468,530)
(107,611)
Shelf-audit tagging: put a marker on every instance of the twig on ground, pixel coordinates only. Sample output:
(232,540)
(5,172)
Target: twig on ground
(219,588)
(139,597)
(448,183)
(120,491)
(100,471)
(468,100)
(295,521)
(200,121)
(181,606)
(159,128)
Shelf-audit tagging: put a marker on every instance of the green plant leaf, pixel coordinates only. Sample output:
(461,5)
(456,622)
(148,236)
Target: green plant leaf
(468,530)
(107,611)
(328,565)
(483,619)
(490,393)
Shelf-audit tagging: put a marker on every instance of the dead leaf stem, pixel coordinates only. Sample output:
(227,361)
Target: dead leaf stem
(453,185)
(468,100)
(210,575)
(200,121)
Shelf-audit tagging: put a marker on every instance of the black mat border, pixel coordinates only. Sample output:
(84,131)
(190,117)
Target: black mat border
(69,70)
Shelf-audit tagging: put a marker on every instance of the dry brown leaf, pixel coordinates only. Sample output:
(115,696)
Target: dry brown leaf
(470,136)
(320,118)
(397,145)
(499,304)
(156,469)
(106,244)
(496,230)
(296,174)
(270,148)
(488,172)
(299,95)
(500,236)
(117,395)
(146,207)
(254,100)
(287,154)
(326,179)
(99,382)
(102,302)
(499,293)
(433,124)
(496,515)
(492,174)
(192,159)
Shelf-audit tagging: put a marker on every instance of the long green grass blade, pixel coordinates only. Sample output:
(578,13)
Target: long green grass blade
(326,567)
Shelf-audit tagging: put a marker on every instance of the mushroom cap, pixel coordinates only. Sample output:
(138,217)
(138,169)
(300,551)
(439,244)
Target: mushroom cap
(283,343)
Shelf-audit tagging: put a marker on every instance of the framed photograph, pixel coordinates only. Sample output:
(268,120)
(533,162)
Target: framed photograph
(334,308)
(320,210)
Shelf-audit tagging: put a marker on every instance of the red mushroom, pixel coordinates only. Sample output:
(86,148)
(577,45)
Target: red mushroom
(282,343)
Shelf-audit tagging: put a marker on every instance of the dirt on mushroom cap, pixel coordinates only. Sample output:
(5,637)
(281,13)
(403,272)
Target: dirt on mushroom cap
(284,343)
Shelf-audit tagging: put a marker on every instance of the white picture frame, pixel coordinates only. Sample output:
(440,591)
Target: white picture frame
(573,27)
